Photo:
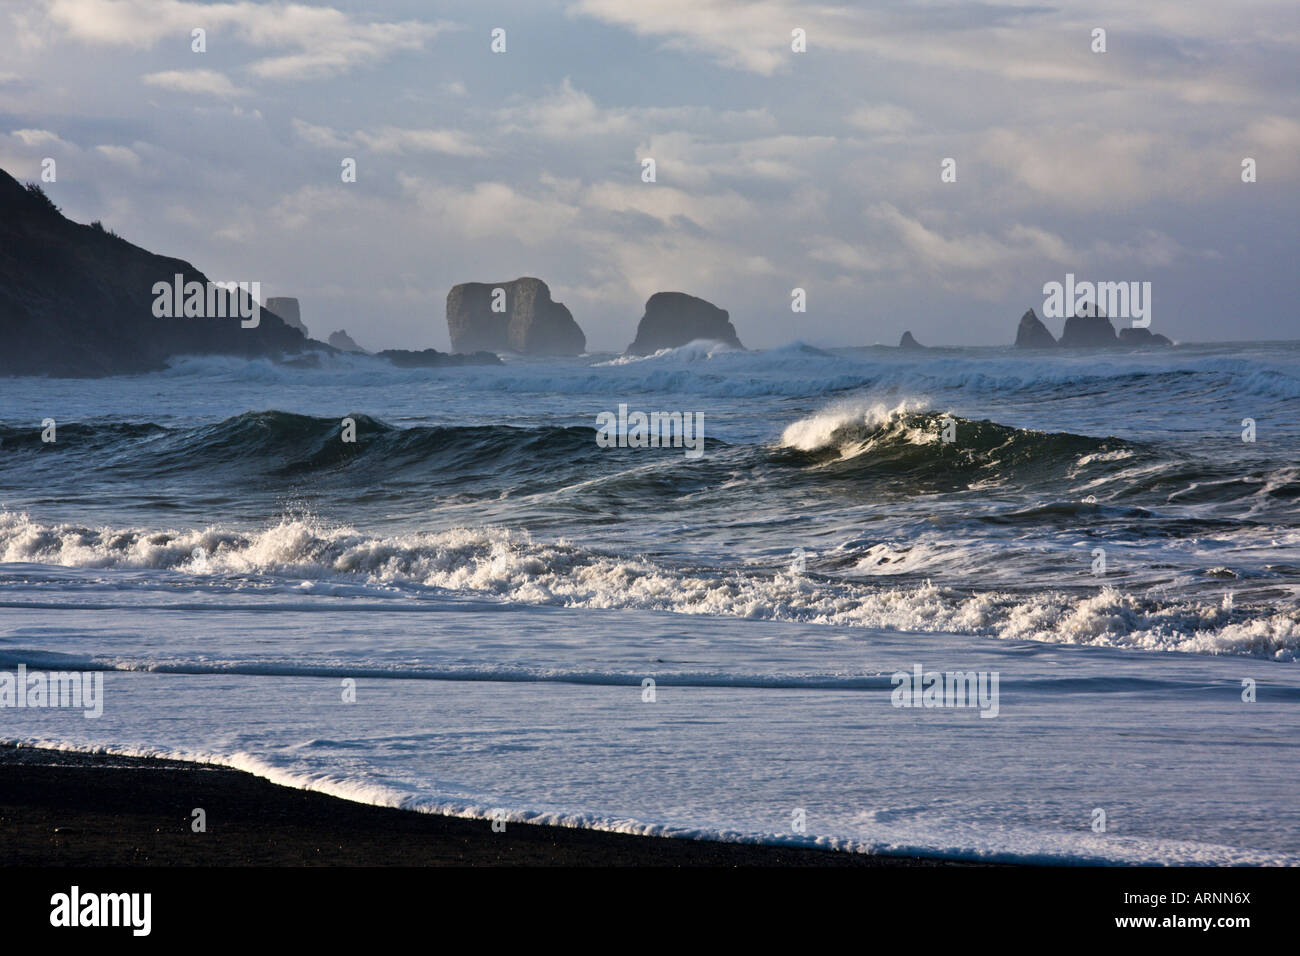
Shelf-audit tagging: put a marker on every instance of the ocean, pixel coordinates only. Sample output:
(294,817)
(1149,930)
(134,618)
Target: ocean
(477,608)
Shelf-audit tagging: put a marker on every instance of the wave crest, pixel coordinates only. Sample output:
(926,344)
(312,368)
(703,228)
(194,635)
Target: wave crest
(302,553)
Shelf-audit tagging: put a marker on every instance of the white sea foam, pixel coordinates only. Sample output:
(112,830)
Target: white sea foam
(1119,454)
(698,350)
(850,418)
(515,568)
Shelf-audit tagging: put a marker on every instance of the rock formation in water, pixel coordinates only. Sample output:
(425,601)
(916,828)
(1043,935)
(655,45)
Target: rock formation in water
(432,358)
(674,319)
(908,342)
(515,316)
(81,301)
(286,307)
(343,342)
(1089,330)
(1032,334)
(1083,331)
(1132,336)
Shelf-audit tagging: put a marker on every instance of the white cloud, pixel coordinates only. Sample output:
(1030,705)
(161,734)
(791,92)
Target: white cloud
(882,118)
(569,114)
(200,82)
(766,159)
(40,137)
(666,204)
(1021,42)
(849,256)
(121,155)
(321,40)
(491,210)
(312,205)
(391,139)
(321,136)
(752,35)
(971,252)
(977,263)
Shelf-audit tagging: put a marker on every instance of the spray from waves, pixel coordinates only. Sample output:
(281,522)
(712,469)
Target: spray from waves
(799,370)
(695,351)
(861,440)
(846,422)
(515,568)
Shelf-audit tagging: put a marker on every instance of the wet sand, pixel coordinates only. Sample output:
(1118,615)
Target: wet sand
(60,808)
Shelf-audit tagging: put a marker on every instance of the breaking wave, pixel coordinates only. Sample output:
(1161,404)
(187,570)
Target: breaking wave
(513,567)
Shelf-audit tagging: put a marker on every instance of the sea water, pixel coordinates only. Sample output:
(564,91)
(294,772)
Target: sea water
(477,608)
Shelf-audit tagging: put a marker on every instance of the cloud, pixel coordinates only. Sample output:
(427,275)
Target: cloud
(200,82)
(321,41)
(121,155)
(775,169)
(754,36)
(321,136)
(1015,41)
(492,210)
(40,137)
(391,139)
(848,256)
(977,263)
(1095,166)
(882,118)
(569,114)
(706,267)
(666,204)
(1151,249)
(971,252)
(309,205)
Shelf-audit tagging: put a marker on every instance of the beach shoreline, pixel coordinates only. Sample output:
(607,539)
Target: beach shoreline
(77,808)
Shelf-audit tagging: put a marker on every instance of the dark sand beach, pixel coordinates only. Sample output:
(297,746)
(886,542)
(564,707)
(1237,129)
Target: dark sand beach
(61,808)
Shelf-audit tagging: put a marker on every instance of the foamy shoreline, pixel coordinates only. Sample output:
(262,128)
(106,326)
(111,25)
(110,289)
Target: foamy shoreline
(81,808)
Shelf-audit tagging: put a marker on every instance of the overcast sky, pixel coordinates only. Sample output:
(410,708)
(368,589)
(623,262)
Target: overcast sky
(775,169)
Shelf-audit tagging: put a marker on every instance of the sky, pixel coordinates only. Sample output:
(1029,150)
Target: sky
(775,169)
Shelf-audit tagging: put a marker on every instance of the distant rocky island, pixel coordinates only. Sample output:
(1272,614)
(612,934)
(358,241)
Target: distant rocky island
(514,316)
(432,358)
(674,319)
(343,342)
(1083,332)
(288,309)
(1088,331)
(78,301)
(519,316)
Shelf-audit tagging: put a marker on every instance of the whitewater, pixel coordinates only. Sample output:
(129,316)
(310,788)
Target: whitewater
(499,591)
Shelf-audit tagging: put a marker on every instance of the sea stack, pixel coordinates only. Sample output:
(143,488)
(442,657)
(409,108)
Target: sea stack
(674,319)
(515,316)
(286,307)
(1032,334)
(908,342)
(1089,331)
(432,358)
(343,342)
(1133,336)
